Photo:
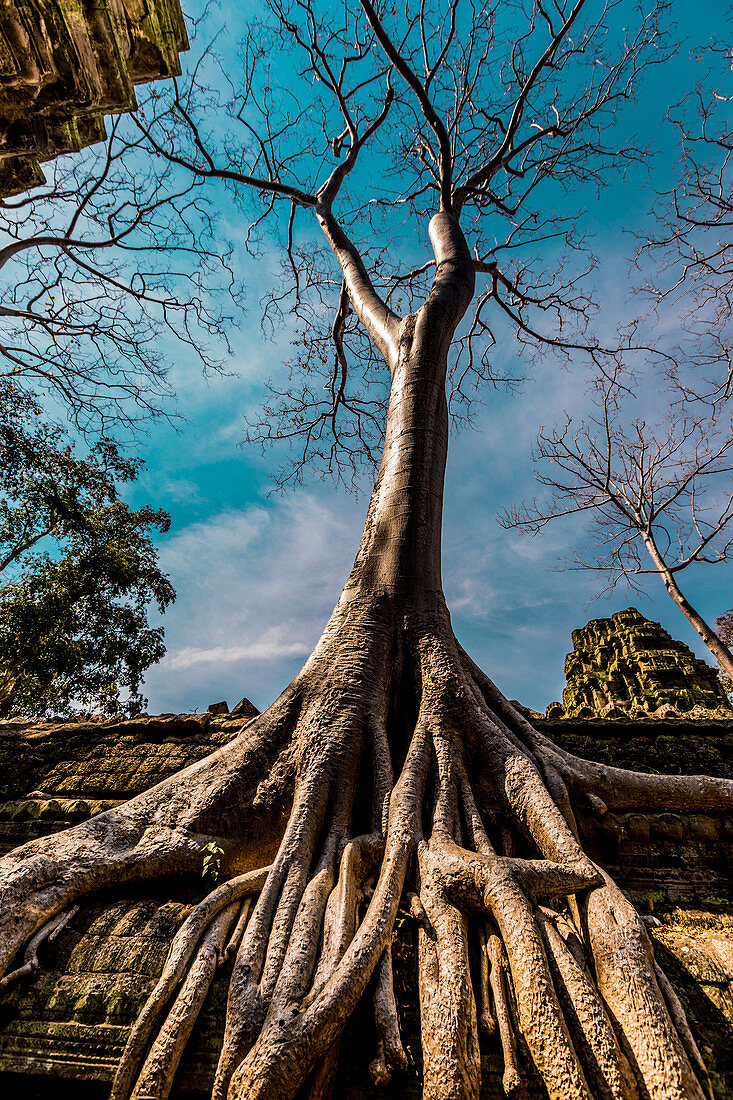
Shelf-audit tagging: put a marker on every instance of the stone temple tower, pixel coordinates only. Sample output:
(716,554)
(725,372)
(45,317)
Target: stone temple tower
(628,666)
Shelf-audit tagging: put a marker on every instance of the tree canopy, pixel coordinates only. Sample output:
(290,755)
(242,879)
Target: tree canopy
(78,571)
(504,115)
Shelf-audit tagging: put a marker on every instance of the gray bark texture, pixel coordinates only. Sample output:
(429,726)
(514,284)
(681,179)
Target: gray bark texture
(391,768)
(718,648)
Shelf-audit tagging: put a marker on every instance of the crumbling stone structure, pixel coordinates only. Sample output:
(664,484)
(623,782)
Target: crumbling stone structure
(65,64)
(629,665)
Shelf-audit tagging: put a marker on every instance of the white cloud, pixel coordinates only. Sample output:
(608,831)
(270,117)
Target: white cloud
(260,651)
(255,588)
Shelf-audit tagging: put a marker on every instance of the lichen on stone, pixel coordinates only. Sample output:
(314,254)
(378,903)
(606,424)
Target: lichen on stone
(63,66)
(627,666)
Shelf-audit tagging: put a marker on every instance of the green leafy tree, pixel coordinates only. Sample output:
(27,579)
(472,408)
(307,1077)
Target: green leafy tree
(78,571)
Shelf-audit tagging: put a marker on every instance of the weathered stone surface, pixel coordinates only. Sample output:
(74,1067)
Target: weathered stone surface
(73,1018)
(53,775)
(244,709)
(630,666)
(218,708)
(64,65)
(695,948)
(696,954)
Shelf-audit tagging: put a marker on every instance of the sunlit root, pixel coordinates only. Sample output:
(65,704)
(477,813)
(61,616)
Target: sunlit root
(278,960)
(161,833)
(44,877)
(605,787)
(451,1058)
(502,886)
(498,974)
(156,1078)
(283,1056)
(679,1018)
(238,931)
(46,935)
(341,917)
(487,1014)
(606,1067)
(601,785)
(265,940)
(181,952)
(416,909)
(626,978)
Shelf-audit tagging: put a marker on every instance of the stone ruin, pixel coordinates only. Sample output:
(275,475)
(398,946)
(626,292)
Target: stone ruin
(64,65)
(629,666)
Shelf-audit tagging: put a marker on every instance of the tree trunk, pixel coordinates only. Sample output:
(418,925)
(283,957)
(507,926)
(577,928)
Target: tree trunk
(399,551)
(391,770)
(719,649)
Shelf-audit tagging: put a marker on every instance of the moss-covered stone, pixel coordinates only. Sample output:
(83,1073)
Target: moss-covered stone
(64,65)
(630,666)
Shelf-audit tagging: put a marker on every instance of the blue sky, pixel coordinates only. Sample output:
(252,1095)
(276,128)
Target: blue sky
(257,575)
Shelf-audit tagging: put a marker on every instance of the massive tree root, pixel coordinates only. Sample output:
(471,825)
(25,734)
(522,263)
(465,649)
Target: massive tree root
(407,776)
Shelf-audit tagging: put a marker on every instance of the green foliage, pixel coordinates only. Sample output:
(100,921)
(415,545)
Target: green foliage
(78,571)
(211,865)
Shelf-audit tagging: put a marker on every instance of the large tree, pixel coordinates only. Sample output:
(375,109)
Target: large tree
(392,767)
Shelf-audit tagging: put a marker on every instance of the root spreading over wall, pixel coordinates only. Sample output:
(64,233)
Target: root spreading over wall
(415,783)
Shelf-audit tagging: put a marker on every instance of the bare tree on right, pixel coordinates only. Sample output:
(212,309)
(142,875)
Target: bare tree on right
(658,497)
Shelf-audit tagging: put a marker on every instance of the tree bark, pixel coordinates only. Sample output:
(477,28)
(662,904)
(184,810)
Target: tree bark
(719,650)
(399,551)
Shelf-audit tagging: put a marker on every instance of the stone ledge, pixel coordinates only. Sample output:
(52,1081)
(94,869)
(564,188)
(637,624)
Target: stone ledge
(64,65)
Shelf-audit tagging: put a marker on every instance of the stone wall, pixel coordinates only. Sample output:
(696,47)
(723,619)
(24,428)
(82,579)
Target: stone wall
(54,774)
(64,64)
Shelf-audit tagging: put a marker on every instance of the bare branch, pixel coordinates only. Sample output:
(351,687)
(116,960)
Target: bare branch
(653,495)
